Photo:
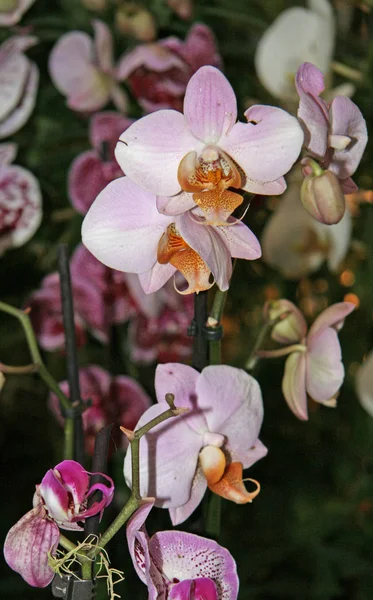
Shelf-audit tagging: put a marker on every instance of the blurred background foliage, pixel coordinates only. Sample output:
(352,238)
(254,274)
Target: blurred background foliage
(310,532)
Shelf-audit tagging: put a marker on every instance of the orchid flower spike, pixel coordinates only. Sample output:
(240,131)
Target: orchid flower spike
(175,565)
(335,138)
(19,78)
(60,501)
(207,447)
(124,230)
(83,70)
(314,366)
(20,201)
(198,156)
(11,11)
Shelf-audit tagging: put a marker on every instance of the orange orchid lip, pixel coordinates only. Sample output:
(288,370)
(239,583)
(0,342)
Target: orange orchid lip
(173,249)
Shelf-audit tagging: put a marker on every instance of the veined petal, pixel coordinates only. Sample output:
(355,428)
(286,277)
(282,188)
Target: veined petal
(333,316)
(347,120)
(27,546)
(210,105)
(188,556)
(325,371)
(123,227)
(150,151)
(241,241)
(168,459)
(294,384)
(267,146)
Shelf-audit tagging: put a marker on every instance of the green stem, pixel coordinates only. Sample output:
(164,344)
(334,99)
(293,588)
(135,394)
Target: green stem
(66,543)
(69,438)
(214,516)
(217,308)
(126,512)
(266,328)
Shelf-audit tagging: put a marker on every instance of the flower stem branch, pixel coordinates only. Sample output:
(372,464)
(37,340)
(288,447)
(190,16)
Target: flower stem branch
(255,354)
(22,370)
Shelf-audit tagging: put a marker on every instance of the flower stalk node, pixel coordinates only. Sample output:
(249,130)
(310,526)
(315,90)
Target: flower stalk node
(130,435)
(170,398)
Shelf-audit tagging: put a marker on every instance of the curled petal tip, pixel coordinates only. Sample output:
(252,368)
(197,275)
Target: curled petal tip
(231,485)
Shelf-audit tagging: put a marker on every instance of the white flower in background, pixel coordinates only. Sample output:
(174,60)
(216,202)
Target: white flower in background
(20,201)
(298,35)
(11,11)
(364,384)
(19,78)
(295,244)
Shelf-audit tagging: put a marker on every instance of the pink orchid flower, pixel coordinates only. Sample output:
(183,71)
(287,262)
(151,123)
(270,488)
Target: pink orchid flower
(19,78)
(20,201)
(91,171)
(11,11)
(83,70)
(125,231)
(336,136)
(101,298)
(60,501)
(209,446)
(205,151)
(314,366)
(159,73)
(175,565)
(119,400)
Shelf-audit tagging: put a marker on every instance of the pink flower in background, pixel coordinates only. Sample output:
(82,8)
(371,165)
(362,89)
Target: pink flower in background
(209,446)
(314,366)
(183,8)
(83,70)
(11,11)
(175,565)
(125,231)
(119,400)
(92,170)
(20,201)
(205,151)
(101,298)
(19,78)
(60,501)
(158,73)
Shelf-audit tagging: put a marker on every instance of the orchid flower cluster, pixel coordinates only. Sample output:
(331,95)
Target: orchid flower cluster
(163,200)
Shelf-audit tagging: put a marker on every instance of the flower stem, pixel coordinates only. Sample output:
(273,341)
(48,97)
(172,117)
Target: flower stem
(213,516)
(266,328)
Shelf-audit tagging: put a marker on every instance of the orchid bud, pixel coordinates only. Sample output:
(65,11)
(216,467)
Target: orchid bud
(97,5)
(287,330)
(136,21)
(321,194)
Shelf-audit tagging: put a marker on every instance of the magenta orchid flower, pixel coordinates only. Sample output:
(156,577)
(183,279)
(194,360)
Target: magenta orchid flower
(314,366)
(336,136)
(91,171)
(207,447)
(60,501)
(11,11)
(83,70)
(20,201)
(158,73)
(205,151)
(19,78)
(125,231)
(175,565)
(119,400)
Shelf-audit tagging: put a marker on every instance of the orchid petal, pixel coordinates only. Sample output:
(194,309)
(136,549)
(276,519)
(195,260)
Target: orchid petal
(153,57)
(188,556)
(123,227)
(163,451)
(347,120)
(200,48)
(14,121)
(202,587)
(152,160)
(8,153)
(325,371)
(241,241)
(333,316)
(154,279)
(313,111)
(92,93)
(103,45)
(294,384)
(106,127)
(292,328)
(339,240)
(70,60)
(10,18)
(267,146)
(135,524)
(27,546)
(364,384)
(175,205)
(86,180)
(13,75)
(210,105)
(179,514)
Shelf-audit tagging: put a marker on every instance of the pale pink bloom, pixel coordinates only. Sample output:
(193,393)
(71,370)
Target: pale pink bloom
(124,230)
(158,73)
(296,36)
(364,384)
(314,367)
(11,11)
(335,133)
(205,151)
(175,565)
(101,299)
(20,201)
(83,70)
(60,501)
(19,78)
(92,170)
(107,399)
(295,244)
(223,424)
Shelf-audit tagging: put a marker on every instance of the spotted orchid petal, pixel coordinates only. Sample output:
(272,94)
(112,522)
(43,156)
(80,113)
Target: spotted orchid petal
(28,544)
(198,588)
